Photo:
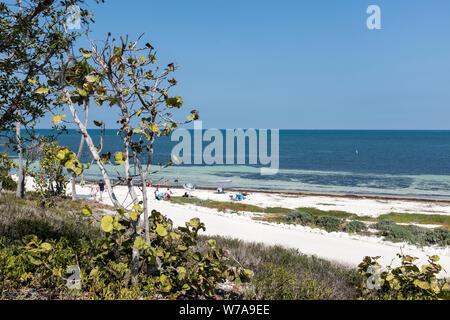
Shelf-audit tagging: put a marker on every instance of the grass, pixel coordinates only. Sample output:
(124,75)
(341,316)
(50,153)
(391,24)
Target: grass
(275,267)
(276,214)
(224,206)
(21,217)
(398,217)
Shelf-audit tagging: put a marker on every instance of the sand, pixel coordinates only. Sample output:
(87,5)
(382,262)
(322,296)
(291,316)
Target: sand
(335,246)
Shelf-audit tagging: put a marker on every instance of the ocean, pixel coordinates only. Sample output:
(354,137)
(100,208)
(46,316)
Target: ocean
(378,162)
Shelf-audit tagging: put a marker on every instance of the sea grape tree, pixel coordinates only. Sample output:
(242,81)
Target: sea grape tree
(140,88)
(32,40)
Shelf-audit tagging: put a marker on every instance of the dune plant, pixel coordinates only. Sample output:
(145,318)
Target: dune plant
(169,267)
(405,282)
(355,226)
(52,176)
(303,218)
(5,167)
(330,224)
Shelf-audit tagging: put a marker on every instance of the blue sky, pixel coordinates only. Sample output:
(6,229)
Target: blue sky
(297,64)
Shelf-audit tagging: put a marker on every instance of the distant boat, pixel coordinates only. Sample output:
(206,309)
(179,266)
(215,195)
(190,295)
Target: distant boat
(357,152)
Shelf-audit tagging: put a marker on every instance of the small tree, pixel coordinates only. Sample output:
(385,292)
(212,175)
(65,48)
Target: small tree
(5,167)
(33,38)
(52,176)
(140,89)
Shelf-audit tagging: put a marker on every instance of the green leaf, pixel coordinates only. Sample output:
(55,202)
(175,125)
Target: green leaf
(119,158)
(138,208)
(107,223)
(212,243)
(133,215)
(82,92)
(58,118)
(42,90)
(46,246)
(34,261)
(98,123)
(87,211)
(434,258)
(140,243)
(92,78)
(160,230)
(174,102)
(194,222)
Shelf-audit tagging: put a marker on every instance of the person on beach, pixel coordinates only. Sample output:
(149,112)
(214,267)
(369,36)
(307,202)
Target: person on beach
(168,194)
(101,186)
(157,194)
(94,192)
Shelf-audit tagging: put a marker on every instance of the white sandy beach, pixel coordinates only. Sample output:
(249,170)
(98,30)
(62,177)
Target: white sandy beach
(337,246)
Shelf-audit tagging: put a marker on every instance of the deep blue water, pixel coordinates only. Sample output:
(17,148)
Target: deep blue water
(410,163)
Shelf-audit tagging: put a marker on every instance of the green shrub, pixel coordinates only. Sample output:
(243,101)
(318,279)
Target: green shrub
(9,184)
(396,233)
(383,224)
(355,226)
(406,281)
(303,218)
(340,279)
(169,267)
(439,236)
(330,224)
(275,282)
(55,166)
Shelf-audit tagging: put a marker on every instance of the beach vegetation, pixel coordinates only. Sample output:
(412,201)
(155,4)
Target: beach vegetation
(6,164)
(438,236)
(275,282)
(38,247)
(52,176)
(9,184)
(283,273)
(355,226)
(420,218)
(383,224)
(405,282)
(303,218)
(329,223)
(412,234)
(30,50)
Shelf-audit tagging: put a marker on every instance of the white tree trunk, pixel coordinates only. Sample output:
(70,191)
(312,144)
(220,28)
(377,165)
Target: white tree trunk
(20,191)
(80,150)
(93,150)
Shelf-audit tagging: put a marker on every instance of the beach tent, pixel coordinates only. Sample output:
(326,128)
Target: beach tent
(189,187)
(223,181)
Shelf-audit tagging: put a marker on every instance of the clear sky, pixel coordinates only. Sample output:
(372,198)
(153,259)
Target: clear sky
(297,64)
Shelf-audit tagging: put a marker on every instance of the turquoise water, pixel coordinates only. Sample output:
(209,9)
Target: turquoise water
(404,163)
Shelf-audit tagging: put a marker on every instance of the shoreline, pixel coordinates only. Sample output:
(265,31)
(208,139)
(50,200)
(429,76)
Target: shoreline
(308,193)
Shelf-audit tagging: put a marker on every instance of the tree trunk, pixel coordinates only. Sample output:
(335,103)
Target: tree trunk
(145,200)
(20,191)
(93,150)
(80,150)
